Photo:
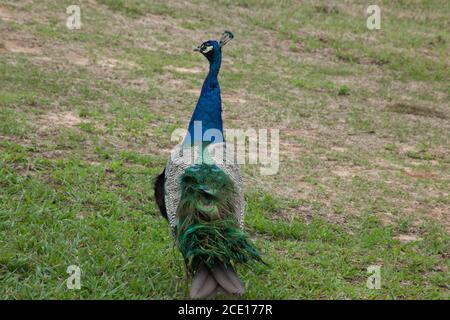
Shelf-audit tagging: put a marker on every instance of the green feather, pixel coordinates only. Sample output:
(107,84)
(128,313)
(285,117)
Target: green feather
(208,230)
(217,241)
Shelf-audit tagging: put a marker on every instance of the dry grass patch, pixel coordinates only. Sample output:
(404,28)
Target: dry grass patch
(6,15)
(77,58)
(415,109)
(420,174)
(193,70)
(441,215)
(19,46)
(405,238)
(59,119)
(233,98)
(113,63)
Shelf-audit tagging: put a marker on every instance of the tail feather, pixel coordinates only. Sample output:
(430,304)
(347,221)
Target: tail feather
(228,279)
(218,280)
(203,284)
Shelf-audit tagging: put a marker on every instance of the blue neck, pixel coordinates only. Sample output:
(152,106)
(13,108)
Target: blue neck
(211,78)
(207,116)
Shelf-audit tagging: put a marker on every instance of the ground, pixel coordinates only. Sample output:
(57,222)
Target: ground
(86,117)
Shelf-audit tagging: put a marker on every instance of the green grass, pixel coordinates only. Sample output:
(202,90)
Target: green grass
(86,120)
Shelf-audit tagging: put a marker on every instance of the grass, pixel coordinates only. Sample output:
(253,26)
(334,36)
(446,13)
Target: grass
(86,118)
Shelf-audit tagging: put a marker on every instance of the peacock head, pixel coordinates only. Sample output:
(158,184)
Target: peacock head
(212,49)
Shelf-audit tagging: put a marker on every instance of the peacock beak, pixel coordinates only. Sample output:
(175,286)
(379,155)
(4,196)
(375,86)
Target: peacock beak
(197,49)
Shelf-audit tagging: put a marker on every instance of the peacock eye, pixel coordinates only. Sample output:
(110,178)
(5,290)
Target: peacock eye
(207,49)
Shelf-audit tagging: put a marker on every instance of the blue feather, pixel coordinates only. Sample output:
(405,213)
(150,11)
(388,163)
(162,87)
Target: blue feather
(209,105)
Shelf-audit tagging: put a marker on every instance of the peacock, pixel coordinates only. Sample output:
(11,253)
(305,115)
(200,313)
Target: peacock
(200,193)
